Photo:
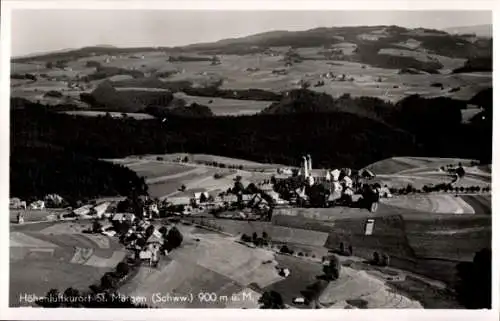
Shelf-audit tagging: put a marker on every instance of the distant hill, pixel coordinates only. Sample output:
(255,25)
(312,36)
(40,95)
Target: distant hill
(479,30)
(38,54)
(367,38)
(368,41)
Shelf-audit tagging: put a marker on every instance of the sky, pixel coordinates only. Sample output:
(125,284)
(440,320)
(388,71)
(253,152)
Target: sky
(49,29)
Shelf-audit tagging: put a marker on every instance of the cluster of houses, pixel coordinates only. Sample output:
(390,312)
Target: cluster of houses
(50,200)
(189,203)
(339,182)
(146,246)
(332,76)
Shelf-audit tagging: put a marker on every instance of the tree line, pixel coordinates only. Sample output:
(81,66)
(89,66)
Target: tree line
(332,131)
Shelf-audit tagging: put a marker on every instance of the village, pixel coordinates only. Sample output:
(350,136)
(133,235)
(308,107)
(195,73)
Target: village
(133,219)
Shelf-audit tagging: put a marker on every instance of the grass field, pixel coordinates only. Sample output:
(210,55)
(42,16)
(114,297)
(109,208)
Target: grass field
(302,275)
(480,203)
(234,72)
(39,276)
(276,233)
(422,243)
(166,176)
(202,158)
(432,203)
(212,264)
(363,290)
(55,255)
(154,169)
(222,106)
(88,113)
(400,164)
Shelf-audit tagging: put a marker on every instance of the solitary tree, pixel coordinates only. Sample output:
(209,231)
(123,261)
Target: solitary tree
(460,171)
(122,269)
(96,226)
(332,270)
(141,242)
(384,260)
(149,231)
(271,300)
(342,248)
(474,283)
(174,238)
(71,295)
(107,281)
(163,230)
(246,238)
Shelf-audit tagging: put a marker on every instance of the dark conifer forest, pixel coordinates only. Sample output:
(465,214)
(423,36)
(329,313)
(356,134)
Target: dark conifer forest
(53,152)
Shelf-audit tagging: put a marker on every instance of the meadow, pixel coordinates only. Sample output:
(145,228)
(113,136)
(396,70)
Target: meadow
(44,256)
(256,71)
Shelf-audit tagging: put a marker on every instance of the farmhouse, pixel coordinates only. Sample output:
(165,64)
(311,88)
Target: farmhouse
(201,196)
(180,200)
(16,203)
(53,199)
(20,218)
(124,217)
(37,205)
(155,238)
(83,211)
(100,209)
(150,253)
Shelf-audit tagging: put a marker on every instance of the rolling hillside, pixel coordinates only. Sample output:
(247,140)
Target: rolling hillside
(367,40)
(478,30)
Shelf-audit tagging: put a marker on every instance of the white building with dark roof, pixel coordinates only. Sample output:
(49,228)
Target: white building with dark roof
(122,217)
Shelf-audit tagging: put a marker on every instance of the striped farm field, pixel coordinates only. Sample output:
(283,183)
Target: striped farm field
(46,256)
(94,113)
(39,276)
(373,291)
(224,106)
(480,203)
(399,164)
(214,263)
(431,203)
(276,233)
(153,169)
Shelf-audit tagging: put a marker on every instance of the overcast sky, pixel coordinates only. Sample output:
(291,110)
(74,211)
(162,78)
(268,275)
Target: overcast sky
(46,30)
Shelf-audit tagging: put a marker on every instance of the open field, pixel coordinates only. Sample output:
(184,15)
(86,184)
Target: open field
(165,177)
(153,169)
(480,203)
(402,164)
(235,73)
(56,255)
(212,264)
(203,158)
(432,203)
(36,215)
(223,106)
(302,275)
(416,242)
(38,277)
(363,290)
(89,113)
(275,233)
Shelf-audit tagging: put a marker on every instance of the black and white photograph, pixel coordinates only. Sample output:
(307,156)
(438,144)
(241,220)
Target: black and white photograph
(253,159)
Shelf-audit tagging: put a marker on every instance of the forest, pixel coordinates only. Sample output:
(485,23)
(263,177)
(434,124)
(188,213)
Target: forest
(38,171)
(326,128)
